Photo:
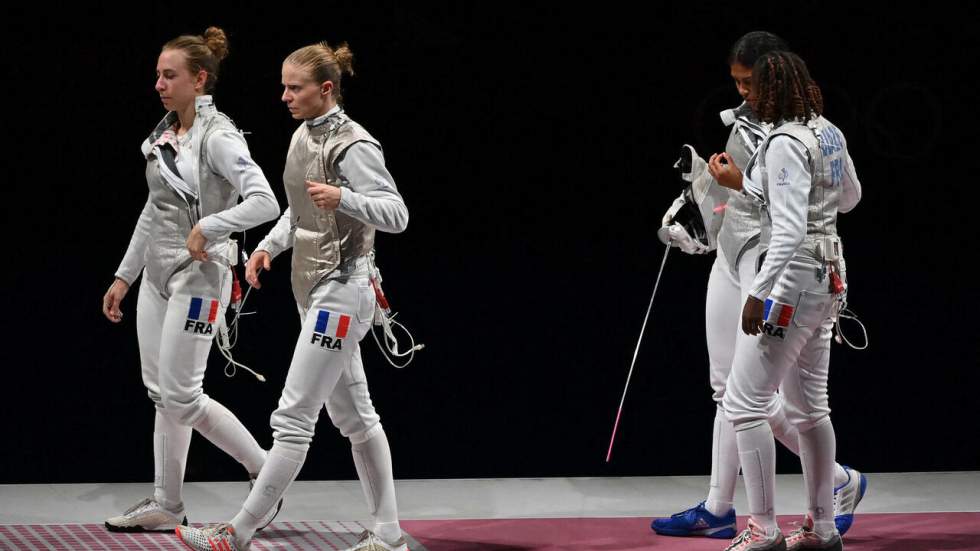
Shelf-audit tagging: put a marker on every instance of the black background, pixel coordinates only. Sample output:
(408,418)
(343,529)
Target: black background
(533,146)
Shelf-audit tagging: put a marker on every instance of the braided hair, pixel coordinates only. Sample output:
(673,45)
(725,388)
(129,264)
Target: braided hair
(783,88)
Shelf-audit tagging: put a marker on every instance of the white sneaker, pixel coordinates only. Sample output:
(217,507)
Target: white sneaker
(147,516)
(368,541)
(754,538)
(271,515)
(805,538)
(847,496)
(221,537)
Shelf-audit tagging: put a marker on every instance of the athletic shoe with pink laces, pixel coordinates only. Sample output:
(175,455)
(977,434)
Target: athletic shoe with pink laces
(219,537)
(806,538)
(754,538)
(368,541)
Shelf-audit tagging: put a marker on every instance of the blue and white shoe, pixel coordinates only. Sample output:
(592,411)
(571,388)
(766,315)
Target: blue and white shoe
(696,521)
(846,499)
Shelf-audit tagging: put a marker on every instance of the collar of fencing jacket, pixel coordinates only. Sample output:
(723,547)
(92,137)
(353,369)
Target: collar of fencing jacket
(330,116)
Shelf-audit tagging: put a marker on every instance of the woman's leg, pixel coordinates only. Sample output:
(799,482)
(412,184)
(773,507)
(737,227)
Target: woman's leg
(171,440)
(755,377)
(339,318)
(723,307)
(352,412)
(190,325)
(807,407)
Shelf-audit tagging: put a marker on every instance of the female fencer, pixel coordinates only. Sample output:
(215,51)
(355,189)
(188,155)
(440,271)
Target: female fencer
(802,176)
(197,167)
(732,273)
(339,193)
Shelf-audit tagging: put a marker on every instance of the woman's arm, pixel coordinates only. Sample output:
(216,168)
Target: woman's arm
(134,259)
(789,181)
(228,156)
(280,237)
(851,186)
(371,195)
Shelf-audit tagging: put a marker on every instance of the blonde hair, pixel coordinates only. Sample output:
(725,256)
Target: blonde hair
(324,63)
(204,53)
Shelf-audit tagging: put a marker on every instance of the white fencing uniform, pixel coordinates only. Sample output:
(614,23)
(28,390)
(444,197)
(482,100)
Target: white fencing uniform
(197,178)
(732,272)
(729,284)
(330,279)
(804,176)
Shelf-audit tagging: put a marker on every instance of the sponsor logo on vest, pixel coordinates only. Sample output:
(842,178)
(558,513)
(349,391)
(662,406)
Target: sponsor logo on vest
(781,177)
(330,330)
(201,316)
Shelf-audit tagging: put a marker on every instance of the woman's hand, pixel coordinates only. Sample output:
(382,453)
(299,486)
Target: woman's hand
(726,174)
(113,298)
(260,260)
(752,316)
(324,196)
(196,243)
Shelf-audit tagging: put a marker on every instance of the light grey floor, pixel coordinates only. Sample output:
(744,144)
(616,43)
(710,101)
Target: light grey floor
(479,498)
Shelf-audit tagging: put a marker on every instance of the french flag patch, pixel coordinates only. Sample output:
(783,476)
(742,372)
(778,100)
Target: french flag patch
(330,330)
(332,324)
(203,310)
(777,314)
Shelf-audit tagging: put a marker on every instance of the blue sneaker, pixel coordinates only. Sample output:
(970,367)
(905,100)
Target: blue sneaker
(846,499)
(697,521)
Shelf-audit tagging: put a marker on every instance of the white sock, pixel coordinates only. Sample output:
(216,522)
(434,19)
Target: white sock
(789,436)
(372,459)
(785,432)
(724,466)
(224,430)
(817,451)
(279,471)
(171,441)
(757,454)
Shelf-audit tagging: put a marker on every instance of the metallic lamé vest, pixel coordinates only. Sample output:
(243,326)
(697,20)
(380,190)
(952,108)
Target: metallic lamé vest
(740,226)
(174,215)
(826,155)
(322,240)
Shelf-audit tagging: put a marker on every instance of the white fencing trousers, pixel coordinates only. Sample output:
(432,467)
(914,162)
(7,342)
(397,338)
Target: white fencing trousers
(326,370)
(723,313)
(175,334)
(326,366)
(792,355)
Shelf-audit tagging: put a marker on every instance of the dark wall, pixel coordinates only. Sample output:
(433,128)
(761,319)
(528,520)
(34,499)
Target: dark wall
(534,147)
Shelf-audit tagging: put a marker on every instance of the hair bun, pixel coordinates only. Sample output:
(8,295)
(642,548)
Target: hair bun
(345,58)
(217,42)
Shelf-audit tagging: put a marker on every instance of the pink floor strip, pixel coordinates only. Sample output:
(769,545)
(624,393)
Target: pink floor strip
(871,532)
(310,535)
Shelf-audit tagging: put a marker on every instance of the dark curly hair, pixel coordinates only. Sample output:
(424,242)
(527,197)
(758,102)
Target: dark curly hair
(750,46)
(783,88)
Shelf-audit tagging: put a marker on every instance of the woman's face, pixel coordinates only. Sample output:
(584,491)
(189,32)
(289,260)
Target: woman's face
(742,76)
(304,98)
(175,83)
